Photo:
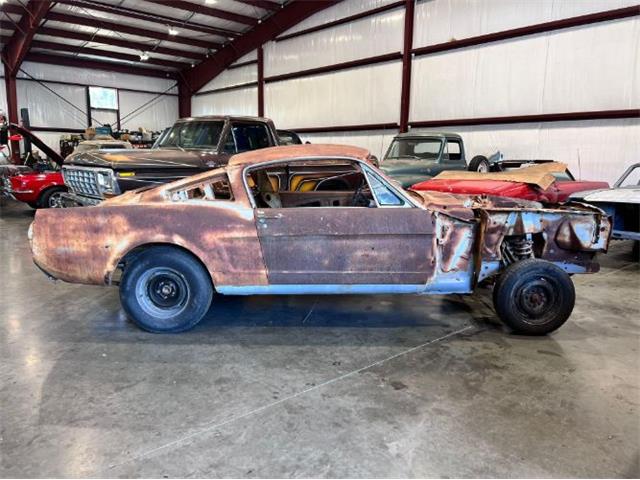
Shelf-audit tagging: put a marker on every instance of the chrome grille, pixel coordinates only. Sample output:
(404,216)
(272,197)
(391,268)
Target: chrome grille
(82,181)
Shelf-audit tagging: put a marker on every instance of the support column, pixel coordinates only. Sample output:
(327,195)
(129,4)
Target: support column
(405,94)
(12,109)
(260,82)
(184,99)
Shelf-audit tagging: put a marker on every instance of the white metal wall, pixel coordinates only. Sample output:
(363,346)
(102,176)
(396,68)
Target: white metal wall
(240,101)
(233,102)
(46,109)
(579,69)
(568,70)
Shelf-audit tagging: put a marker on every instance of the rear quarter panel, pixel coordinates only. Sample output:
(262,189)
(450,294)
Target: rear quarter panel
(85,245)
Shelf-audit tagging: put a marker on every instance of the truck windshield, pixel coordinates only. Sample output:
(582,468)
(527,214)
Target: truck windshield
(198,134)
(415,148)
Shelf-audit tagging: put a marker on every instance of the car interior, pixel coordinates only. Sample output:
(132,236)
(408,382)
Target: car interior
(334,184)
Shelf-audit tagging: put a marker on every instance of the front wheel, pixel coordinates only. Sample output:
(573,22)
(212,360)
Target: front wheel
(165,290)
(534,297)
(51,198)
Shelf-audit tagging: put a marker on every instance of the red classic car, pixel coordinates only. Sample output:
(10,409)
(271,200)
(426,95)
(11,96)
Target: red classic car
(40,186)
(38,189)
(504,184)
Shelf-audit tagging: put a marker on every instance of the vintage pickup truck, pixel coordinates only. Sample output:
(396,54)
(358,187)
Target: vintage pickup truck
(261,225)
(415,157)
(191,146)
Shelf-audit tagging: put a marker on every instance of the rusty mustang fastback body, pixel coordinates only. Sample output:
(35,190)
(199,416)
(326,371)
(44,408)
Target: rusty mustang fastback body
(317,219)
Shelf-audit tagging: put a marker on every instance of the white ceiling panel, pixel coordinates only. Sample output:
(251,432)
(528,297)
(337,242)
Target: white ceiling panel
(148,43)
(135,23)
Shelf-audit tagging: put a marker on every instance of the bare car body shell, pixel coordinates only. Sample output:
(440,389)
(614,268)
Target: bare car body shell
(434,243)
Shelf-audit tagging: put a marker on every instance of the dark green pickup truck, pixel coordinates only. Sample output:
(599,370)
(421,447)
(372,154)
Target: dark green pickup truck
(415,157)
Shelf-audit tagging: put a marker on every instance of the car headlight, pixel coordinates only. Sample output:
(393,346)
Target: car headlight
(105,182)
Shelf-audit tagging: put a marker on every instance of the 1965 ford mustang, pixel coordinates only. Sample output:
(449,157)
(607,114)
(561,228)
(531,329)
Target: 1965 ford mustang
(318,219)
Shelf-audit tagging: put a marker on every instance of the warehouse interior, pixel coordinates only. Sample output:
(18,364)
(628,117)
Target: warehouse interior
(337,386)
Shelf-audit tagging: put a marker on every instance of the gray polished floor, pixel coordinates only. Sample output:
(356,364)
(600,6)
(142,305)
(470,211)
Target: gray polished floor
(348,386)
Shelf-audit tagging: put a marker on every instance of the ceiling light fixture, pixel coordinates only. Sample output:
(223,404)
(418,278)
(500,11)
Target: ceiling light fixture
(144,56)
(173,31)
(210,2)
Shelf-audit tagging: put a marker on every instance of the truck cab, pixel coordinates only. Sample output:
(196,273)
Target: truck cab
(415,157)
(190,146)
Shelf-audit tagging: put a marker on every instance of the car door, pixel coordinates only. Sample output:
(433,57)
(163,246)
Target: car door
(452,157)
(389,244)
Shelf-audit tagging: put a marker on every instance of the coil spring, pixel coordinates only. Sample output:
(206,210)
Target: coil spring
(517,248)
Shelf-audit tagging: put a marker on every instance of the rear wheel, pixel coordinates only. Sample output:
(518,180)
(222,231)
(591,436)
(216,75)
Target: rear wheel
(534,297)
(479,163)
(51,198)
(165,290)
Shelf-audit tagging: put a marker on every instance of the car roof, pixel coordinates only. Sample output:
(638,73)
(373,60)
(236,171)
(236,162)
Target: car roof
(428,135)
(307,151)
(225,117)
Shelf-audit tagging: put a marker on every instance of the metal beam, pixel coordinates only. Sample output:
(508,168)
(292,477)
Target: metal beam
(12,108)
(336,67)
(205,10)
(260,82)
(20,42)
(119,27)
(97,65)
(405,93)
(116,42)
(265,4)
(149,17)
(290,15)
(184,99)
(64,47)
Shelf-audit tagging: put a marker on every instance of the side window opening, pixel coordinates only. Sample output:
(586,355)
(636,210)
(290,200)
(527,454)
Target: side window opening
(454,151)
(250,136)
(300,184)
(216,188)
(230,144)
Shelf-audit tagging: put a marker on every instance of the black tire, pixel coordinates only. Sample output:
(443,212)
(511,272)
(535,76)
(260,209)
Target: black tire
(534,297)
(50,198)
(165,290)
(479,163)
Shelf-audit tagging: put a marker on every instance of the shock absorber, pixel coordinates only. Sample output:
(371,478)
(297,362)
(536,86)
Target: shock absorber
(515,249)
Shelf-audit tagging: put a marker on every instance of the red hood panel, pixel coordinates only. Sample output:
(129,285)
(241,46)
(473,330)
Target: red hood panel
(557,192)
(480,187)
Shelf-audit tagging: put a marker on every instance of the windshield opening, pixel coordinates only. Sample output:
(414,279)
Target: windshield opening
(415,148)
(630,178)
(199,134)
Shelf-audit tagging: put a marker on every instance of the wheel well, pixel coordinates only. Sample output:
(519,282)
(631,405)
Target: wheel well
(50,187)
(133,253)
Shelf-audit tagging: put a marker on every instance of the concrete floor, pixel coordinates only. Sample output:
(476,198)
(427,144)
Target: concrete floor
(314,386)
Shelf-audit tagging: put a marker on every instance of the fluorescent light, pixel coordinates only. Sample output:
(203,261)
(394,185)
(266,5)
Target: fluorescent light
(144,56)
(210,2)
(173,31)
